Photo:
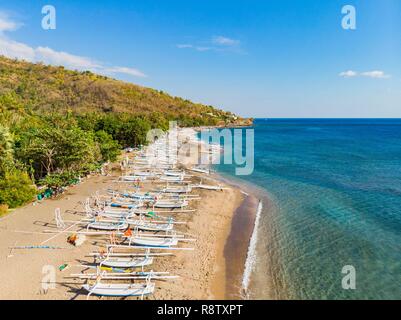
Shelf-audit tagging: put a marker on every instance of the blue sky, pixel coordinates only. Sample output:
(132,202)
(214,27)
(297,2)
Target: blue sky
(277,58)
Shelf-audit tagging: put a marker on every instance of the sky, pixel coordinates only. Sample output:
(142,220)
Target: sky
(271,58)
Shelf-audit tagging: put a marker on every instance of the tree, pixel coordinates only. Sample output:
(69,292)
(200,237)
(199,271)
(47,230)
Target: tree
(16,189)
(6,150)
(50,149)
(109,148)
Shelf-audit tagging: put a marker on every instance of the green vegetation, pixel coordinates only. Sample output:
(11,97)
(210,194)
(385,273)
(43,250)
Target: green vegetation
(57,125)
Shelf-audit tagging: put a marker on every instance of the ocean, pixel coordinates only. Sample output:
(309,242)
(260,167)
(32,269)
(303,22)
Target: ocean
(331,194)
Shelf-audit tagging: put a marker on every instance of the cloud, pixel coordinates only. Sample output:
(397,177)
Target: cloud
(125,70)
(13,49)
(224,41)
(190,46)
(348,74)
(6,24)
(376,74)
(217,43)
(53,57)
(17,50)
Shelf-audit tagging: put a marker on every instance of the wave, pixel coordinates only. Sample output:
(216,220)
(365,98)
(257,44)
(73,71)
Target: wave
(251,255)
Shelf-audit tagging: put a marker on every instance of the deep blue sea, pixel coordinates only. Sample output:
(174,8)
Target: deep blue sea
(335,199)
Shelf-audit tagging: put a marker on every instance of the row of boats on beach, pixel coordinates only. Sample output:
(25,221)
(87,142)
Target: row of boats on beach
(140,219)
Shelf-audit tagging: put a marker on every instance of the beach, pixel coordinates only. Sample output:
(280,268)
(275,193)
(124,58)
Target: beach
(204,272)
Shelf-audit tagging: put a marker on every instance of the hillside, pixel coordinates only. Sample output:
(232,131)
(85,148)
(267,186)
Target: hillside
(40,88)
(58,125)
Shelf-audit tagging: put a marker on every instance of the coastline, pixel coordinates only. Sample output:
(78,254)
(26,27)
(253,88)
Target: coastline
(204,271)
(222,225)
(261,256)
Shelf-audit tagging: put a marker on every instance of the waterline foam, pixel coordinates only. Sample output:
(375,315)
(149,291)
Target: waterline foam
(251,255)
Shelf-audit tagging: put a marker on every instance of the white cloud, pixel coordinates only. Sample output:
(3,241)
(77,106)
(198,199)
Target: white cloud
(6,24)
(13,49)
(376,74)
(50,56)
(125,70)
(217,44)
(348,74)
(224,41)
(17,50)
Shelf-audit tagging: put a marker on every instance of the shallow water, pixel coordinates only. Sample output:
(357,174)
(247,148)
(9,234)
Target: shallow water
(336,191)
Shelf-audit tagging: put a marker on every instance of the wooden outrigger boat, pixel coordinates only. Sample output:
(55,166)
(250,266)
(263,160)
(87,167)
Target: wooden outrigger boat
(200,170)
(120,289)
(150,226)
(126,262)
(132,178)
(169,189)
(152,241)
(172,178)
(170,204)
(109,226)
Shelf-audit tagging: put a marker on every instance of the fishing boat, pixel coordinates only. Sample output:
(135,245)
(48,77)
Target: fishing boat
(153,241)
(124,203)
(151,226)
(117,214)
(109,226)
(208,187)
(200,170)
(132,178)
(120,289)
(174,173)
(127,262)
(186,189)
(143,174)
(172,178)
(170,204)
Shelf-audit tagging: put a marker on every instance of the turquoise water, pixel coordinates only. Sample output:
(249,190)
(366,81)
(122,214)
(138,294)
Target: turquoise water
(336,188)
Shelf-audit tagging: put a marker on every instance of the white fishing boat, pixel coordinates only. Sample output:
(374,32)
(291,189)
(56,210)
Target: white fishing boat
(208,187)
(170,204)
(174,173)
(124,203)
(109,226)
(153,241)
(132,178)
(127,262)
(120,289)
(186,189)
(143,173)
(121,215)
(200,170)
(150,226)
(172,178)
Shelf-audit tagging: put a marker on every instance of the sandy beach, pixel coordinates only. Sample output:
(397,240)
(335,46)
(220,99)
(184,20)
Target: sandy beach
(204,272)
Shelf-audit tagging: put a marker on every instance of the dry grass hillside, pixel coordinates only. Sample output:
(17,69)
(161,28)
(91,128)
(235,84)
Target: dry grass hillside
(42,88)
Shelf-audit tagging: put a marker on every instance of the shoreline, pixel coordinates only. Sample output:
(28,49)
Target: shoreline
(213,271)
(261,281)
(237,246)
(203,271)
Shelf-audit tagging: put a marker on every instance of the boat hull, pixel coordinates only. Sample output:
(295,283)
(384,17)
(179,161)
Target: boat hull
(120,289)
(127,262)
(154,242)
